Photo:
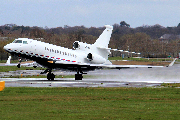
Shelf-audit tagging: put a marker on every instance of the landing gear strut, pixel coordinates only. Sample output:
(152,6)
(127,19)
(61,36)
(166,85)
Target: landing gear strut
(50,75)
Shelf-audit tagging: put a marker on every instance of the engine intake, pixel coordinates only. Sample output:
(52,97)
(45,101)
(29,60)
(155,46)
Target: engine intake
(89,57)
(76,45)
(95,58)
(81,46)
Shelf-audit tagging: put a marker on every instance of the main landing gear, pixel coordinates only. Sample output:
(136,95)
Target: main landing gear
(50,75)
(79,76)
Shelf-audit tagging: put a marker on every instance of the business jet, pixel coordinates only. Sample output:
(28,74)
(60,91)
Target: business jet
(84,57)
(33,64)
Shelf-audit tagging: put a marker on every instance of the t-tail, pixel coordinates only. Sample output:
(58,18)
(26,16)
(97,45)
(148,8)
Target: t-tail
(98,52)
(103,41)
(104,38)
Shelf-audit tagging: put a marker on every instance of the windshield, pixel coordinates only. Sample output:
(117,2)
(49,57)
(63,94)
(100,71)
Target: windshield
(17,41)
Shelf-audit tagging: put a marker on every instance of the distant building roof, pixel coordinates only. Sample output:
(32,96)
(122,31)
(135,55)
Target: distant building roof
(165,36)
(169,36)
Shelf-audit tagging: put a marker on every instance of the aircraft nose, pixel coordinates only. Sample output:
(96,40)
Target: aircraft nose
(6,47)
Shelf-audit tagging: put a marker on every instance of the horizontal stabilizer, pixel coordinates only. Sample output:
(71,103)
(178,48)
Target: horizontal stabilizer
(104,48)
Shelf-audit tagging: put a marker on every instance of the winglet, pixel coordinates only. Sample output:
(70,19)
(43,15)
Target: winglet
(172,63)
(2,85)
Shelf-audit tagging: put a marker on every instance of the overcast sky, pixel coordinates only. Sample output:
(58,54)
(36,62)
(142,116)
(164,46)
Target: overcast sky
(95,13)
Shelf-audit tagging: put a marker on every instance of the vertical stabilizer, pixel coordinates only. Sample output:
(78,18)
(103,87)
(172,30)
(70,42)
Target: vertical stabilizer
(104,38)
(102,42)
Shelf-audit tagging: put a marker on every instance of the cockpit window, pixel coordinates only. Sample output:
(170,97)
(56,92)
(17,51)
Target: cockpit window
(14,41)
(25,42)
(17,41)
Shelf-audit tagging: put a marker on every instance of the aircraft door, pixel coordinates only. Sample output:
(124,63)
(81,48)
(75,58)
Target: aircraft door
(33,47)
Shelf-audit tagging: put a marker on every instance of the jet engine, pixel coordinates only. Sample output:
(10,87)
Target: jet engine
(76,45)
(96,59)
(81,45)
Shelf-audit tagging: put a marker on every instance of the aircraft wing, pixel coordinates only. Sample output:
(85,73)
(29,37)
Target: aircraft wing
(111,66)
(123,66)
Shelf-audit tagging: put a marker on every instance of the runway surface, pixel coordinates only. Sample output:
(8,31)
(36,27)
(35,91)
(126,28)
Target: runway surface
(137,77)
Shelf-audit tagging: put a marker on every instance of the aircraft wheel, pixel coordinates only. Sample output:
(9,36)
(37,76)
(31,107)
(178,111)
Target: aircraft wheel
(78,76)
(19,65)
(35,66)
(50,76)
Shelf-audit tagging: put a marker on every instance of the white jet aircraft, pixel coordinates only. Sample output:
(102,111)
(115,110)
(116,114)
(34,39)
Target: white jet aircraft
(84,57)
(33,64)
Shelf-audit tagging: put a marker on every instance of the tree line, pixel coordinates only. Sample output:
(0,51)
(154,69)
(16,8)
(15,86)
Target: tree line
(144,39)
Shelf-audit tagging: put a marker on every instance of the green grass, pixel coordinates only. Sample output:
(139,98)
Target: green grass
(89,103)
(12,61)
(142,59)
(14,68)
(171,84)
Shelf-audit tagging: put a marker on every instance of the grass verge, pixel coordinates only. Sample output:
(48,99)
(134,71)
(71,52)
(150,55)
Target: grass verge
(89,103)
(170,84)
(14,68)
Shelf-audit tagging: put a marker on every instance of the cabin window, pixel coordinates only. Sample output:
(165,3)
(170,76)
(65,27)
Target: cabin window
(50,50)
(45,48)
(57,51)
(25,42)
(60,52)
(63,53)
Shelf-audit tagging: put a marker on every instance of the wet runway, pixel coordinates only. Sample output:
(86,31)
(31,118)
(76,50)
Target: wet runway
(137,77)
(72,83)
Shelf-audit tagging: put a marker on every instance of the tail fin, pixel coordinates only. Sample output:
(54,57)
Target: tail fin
(104,38)
(8,61)
(102,43)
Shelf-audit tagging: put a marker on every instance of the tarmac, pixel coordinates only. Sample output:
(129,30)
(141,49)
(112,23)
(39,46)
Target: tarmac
(136,77)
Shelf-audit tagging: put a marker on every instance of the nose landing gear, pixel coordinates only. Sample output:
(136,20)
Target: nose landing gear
(50,75)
